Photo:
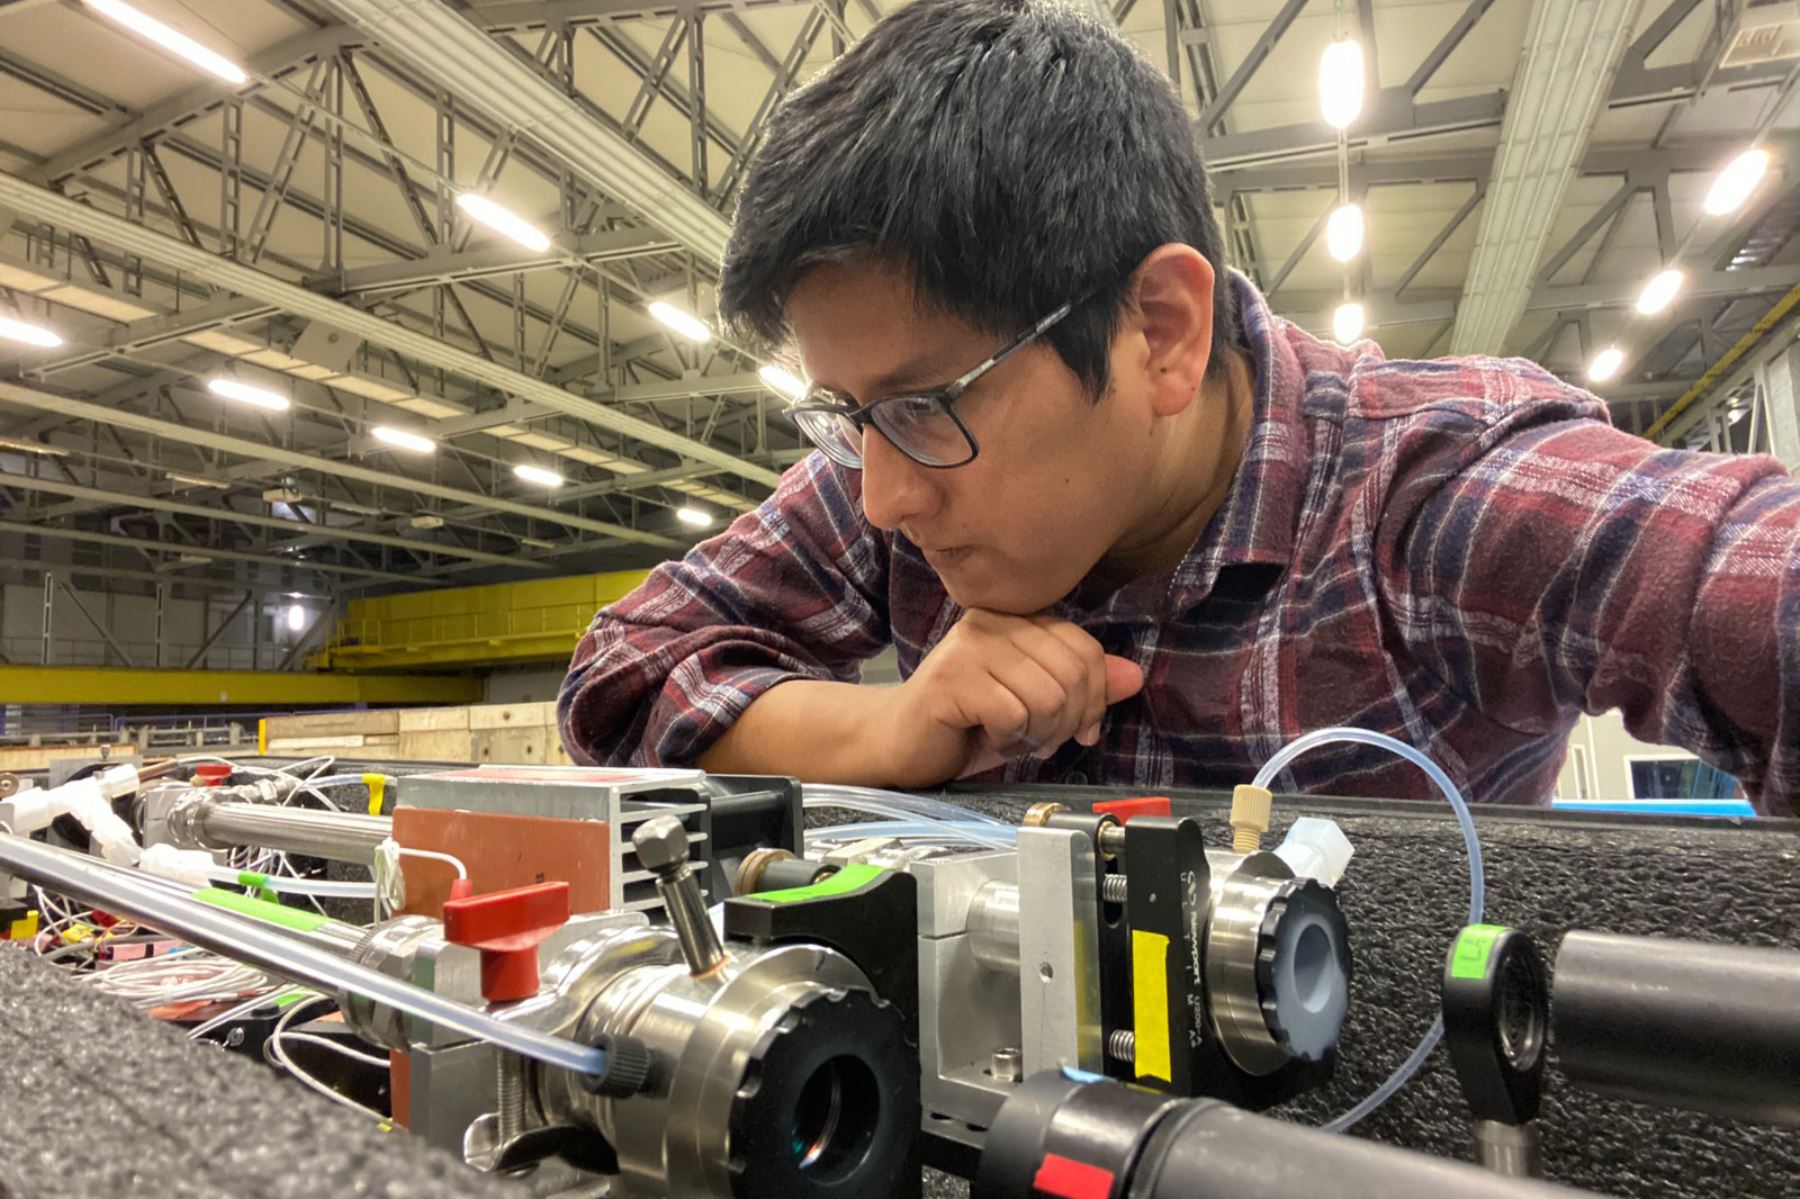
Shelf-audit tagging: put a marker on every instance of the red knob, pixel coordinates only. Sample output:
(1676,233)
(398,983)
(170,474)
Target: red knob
(507,926)
(1125,809)
(211,775)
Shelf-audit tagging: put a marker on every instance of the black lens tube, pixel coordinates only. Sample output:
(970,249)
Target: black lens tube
(1681,1023)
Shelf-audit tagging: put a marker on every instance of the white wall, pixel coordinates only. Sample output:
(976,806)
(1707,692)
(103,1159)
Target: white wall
(523,685)
(1597,766)
(132,621)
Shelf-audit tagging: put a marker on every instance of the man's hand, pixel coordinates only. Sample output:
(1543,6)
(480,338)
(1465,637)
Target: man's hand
(997,687)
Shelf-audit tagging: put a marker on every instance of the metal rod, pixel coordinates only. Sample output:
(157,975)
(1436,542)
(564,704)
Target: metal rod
(339,836)
(248,941)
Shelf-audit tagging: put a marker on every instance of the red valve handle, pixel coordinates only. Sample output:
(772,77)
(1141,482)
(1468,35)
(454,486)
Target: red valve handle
(507,926)
(1125,809)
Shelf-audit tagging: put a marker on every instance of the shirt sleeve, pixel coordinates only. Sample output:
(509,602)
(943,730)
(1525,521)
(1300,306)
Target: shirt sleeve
(795,589)
(1555,564)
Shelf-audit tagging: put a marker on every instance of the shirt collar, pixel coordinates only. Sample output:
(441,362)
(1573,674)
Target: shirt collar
(1257,520)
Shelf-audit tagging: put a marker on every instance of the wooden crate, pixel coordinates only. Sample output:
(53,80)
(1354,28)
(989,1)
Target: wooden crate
(445,745)
(510,716)
(331,724)
(39,757)
(434,720)
(512,747)
(286,746)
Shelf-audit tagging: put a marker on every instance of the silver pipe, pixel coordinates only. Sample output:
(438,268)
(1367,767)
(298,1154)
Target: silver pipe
(246,940)
(339,836)
(1515,1150)
(994,926)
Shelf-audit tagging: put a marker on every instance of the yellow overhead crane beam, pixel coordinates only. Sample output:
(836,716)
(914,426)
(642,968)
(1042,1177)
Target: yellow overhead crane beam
(536,620)
(128,687)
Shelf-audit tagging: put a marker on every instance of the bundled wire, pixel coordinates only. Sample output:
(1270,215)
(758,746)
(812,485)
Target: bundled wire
(184,976)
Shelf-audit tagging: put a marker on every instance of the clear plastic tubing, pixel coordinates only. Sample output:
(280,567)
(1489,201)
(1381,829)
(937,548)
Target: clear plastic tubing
(915,830)
(148,902)
(891,805)
(324,888)
(1477,881)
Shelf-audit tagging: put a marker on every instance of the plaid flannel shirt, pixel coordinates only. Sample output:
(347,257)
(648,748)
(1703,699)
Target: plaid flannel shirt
(1462,553)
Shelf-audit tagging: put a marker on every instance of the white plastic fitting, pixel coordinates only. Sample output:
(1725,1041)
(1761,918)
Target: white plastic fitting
(89,800)
(1316,848)
(193,866)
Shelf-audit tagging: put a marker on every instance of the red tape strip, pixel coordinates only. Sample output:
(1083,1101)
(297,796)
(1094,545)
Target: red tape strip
(1066,1178)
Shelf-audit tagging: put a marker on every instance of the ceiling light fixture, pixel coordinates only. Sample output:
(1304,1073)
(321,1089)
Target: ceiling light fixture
(537,543)
(176,42)
(296,618)
(1606,364)
(1347,322)
(694,517)
(243,393)
(28,333)
(688,326)
(542,476)
(402,439)
(22,446)
(1341,82)
(1659,293)
(197,481)
(1737,181)
(782,381)
(1344,232)
(504,221)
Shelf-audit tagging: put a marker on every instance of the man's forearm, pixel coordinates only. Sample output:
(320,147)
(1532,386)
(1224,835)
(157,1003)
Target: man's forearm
(821,732)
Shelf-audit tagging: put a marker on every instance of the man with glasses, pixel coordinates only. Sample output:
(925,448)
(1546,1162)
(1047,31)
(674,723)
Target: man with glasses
(1124,525)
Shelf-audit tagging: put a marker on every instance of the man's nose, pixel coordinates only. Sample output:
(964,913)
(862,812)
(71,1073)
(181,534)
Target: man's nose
(896,489)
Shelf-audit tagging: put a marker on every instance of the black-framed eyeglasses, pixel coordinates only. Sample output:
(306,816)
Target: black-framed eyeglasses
(923,425)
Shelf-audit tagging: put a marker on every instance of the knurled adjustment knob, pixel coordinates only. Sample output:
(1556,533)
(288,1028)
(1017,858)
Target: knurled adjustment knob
(627,1068)
(1303,968)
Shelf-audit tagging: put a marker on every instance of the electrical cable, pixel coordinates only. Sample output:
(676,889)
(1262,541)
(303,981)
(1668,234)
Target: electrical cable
(1477,881)
(183,976)
(276,1055)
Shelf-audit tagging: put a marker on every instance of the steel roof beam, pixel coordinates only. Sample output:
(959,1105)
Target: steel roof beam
(109,498)
(82,410)
(61,210)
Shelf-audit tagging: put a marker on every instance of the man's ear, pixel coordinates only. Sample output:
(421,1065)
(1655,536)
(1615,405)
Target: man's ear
(1172,291)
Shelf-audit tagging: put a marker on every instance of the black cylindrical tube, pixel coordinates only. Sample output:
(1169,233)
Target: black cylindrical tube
(1681,1023)
(1056,1129)
(1223,1152)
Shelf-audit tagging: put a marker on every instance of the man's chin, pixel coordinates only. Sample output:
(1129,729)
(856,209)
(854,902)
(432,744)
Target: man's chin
(991,595)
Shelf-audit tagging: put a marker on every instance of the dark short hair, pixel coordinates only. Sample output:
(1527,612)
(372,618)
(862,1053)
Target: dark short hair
(1008,155)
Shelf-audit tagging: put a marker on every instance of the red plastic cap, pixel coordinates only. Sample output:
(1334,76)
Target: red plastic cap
(213,774)
(1125,809)
(507,926)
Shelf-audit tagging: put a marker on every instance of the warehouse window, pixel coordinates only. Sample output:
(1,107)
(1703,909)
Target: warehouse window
(1679,778)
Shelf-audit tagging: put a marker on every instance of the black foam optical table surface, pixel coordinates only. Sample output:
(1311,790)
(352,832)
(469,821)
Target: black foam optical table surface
(1405,895)
(96,1100)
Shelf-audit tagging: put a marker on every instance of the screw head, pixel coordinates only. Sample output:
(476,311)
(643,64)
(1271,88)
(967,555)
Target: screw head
(661,844)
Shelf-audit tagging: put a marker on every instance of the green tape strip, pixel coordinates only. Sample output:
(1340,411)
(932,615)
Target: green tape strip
(262,909)
(853,877)
(291,1000)
(1473,956)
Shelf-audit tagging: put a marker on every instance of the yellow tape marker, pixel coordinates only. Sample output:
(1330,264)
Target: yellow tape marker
(262,736)
(377,785)
(1150,1005)
(26,927)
